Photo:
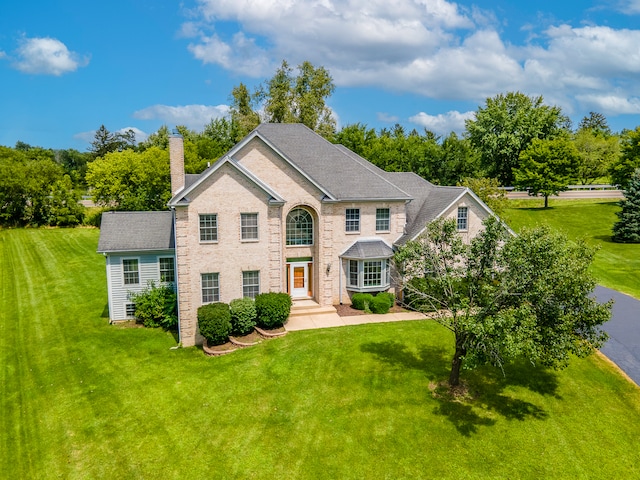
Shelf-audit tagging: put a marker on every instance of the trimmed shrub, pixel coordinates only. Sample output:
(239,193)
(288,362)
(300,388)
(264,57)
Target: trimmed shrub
(272,309)
(391,297)
(361,301)
(243,316)
(214,320)
(380,304)
(156,306)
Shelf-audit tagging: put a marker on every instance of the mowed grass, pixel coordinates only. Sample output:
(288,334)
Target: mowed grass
(616,265)
(83,399)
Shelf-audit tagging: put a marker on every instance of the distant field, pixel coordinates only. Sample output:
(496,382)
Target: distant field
(616,265)
(80,398)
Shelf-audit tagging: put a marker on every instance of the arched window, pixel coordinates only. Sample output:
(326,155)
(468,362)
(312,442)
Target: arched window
(299,227)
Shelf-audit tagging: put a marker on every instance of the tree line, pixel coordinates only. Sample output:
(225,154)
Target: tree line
(512,140)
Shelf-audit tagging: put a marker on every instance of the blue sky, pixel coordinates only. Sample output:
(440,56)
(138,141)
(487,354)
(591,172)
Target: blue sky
(67,67)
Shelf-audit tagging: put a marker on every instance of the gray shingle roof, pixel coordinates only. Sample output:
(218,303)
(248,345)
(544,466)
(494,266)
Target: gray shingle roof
(136,231)
(363,249)
(337,172)
(429,201)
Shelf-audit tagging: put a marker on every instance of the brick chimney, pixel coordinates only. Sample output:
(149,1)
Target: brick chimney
(176,161)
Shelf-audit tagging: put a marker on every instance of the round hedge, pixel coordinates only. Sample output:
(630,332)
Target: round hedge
(243,316)
(272,309)
(214,321)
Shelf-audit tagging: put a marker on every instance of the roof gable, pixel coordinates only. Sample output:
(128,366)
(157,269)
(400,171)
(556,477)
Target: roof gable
(182,197)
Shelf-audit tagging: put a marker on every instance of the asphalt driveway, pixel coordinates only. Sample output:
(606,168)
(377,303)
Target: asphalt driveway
(623,346)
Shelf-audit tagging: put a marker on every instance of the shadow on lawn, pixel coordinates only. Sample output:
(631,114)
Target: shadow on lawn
(489,392)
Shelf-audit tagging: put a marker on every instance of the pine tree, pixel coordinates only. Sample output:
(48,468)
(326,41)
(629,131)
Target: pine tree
(627,229)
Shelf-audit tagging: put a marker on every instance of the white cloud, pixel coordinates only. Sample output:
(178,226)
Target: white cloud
(3,54)
(387,118)
(442,124)
(90,135)
(194,117)
(47,56)
(140,135)
(433,48)
(630,7)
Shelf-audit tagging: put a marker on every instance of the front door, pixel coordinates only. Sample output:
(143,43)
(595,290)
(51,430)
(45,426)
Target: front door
(299,279)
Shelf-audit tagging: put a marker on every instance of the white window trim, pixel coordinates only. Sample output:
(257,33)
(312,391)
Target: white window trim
(313,226)
(200,215)
(252,285)
(466,218)
(346,220)
(124,283)
(162,257)
(387,230)
(249,240)
(385,275)
(202,288)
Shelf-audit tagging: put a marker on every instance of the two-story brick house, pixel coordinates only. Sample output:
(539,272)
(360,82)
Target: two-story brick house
(284,210)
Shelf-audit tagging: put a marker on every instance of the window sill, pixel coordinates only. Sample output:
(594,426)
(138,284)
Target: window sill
(208,242)
(377,288)
(353,233)
(250,240)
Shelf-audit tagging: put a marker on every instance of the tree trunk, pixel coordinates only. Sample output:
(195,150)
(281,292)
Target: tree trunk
(456,363)
(546,200)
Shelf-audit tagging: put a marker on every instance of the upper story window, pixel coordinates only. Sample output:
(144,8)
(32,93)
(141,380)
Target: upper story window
(352,220)
(299,227)
(130,270)
(249,226)
(382,220)
(210,287)
(167,269)
(209,227)
(463,222)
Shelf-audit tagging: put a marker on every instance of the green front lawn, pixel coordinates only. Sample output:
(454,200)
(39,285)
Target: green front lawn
(82,399)
(616,265)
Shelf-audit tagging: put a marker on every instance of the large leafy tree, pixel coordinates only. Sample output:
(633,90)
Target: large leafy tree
(505,127)
(130,180)
(299,99)
(244,117)
(627,228)
(623,167)
(505,296)
(547,167)
(597,153)
(34,190)
(489,191)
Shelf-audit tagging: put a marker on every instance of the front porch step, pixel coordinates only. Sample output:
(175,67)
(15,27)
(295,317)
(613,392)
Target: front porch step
(304,308)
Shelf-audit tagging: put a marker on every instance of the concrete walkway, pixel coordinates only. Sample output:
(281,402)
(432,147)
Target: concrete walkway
(334,320)
(623,346)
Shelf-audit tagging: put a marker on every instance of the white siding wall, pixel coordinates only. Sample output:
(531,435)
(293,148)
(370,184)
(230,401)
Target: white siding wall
(149,269)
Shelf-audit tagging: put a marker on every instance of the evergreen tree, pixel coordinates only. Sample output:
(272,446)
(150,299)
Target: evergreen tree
(627,229)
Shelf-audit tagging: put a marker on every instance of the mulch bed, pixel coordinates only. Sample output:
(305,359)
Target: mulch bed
(349,311)
(246,340)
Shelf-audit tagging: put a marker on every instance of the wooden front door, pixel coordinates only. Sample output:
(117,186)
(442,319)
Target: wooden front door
(299,280)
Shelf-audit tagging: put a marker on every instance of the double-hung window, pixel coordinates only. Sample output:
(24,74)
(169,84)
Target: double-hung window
(249,226)
(167,269)
(209,227)
(299,227)
(250,283)
(352,220)
(463,222)
(210,287)
(382,220)
(130,270)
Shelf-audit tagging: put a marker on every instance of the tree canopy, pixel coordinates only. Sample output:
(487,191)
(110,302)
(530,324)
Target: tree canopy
(505,296)
(130,180)
(547,167)
(505,127)
(298,99)
(623,167)
(35,191)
